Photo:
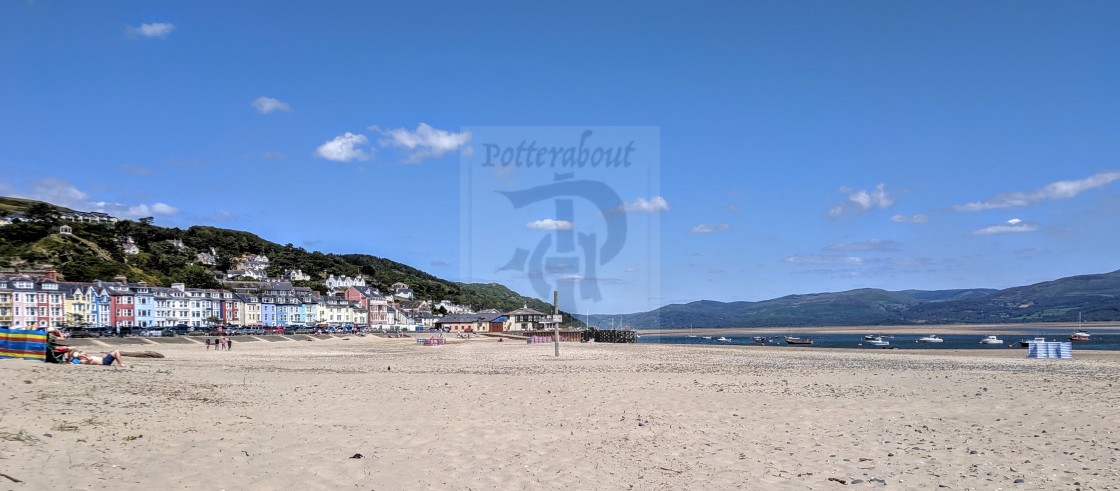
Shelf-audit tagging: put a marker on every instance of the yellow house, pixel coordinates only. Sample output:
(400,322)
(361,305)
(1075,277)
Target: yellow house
(76,307)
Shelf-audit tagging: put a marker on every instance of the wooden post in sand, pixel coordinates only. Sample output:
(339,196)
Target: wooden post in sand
(556,325)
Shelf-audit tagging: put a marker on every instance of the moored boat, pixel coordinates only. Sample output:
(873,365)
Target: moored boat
(759,339)
(878,341)
(991,340)
(796,340)
(721,338)
(1079,336)
(1026,343)
(932,338)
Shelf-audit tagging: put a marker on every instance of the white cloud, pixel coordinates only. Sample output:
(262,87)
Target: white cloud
(909,219)
(862,200)
(656,204)
(704,228)
(62,193)
(550,224)
(343,148)
(141,211)
(423,143)
(870,245)
(815,259)
(154,30)
(265,105)
(1053,191)
(1012,226)
(58,192)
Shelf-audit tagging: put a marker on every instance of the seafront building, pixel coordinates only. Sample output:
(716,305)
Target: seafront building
(38,302)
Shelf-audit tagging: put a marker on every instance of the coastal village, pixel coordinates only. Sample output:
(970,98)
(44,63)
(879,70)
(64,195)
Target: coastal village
(249,297)
(38,300)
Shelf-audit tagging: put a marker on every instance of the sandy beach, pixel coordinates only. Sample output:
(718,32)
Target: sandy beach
(481,414)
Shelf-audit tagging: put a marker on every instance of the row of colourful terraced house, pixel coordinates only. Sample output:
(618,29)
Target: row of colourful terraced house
(28,302)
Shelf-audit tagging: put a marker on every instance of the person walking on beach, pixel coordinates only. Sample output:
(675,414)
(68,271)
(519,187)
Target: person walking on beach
(207,343)
(229,344)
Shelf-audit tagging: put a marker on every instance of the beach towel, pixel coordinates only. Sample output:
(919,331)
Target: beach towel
(18,343)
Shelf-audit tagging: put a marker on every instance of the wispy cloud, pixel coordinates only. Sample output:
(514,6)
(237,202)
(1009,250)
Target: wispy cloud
(344,148)
(815,259)
(862,200)
(550,224)
(220,216)
(62,193)
(1053,191)
(909,218)
(869,245)
(423,143)
(135,170)
(153,30)
(656,204)
(265,105)
(1012,226)
(704,228)
(135,211)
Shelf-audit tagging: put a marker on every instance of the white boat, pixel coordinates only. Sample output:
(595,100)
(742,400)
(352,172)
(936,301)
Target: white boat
(877,341)
(707,337)
(932,338)
(721,338)
(991,340)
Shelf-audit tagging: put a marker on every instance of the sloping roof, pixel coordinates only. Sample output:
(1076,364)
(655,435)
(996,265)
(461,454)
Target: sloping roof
(526,311)
(465,318)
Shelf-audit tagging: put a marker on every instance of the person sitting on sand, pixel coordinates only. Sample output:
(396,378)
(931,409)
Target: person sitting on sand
(83,358)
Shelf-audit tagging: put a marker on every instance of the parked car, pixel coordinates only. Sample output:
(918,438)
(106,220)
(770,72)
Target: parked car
(152,332)
(84,332)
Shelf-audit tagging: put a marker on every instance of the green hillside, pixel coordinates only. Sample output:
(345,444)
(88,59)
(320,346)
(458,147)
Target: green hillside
(94,252)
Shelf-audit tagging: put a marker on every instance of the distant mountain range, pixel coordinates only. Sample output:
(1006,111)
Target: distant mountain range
(1096,297)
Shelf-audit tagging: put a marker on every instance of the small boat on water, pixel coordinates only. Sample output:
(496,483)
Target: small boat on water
(759,339)
(877,341)
(869,337)
(991,340)
(721,338)
(1026,343)
(706,337)
(796,340)
(932,338)
(1080,335)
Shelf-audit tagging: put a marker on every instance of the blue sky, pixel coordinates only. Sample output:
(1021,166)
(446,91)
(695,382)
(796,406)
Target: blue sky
(804,146)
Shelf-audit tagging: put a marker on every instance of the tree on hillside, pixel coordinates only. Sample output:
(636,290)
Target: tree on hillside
(43,213)
(195,276)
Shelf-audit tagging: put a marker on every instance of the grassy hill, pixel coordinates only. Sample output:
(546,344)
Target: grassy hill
(94,252)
